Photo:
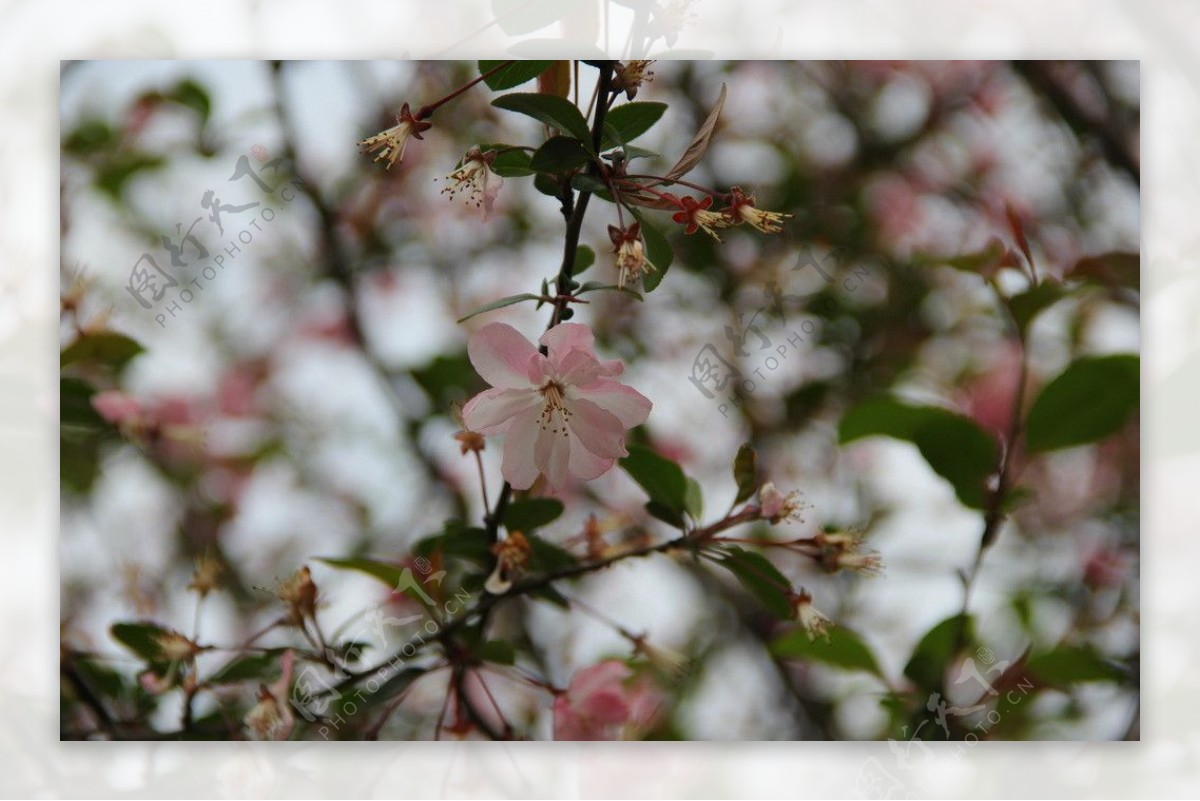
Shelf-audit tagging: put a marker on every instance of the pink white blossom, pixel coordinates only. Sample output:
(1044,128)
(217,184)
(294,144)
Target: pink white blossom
(563,414)
(606,702)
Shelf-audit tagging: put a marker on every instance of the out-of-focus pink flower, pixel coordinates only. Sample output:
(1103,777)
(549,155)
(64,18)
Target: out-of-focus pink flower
(563,414)
(988,398)
(606,702)
(116,407)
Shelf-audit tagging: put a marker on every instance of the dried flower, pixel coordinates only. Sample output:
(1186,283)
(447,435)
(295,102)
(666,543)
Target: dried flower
(390,144)
(631,253)
(470,441)
(471,177)
(741,209)
(841,550)
(204,580)
(811,620)
(174,647)
(512,554)
(695,215)
(271,718)
(777,507)
(629,76)
(299,593)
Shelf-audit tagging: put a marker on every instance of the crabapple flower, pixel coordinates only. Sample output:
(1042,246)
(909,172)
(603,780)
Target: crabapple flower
(742,210)
(696,215)
(390,144)
(606,702)
(631,253)
(563,414)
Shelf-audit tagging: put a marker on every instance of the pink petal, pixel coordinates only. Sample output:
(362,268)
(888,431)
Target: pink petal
(518,467)
(586,465)
(579,367)
(563,338)
(608,706)
(501,355)
(115,406)
(599,431)
(490,410)
(598,676)
(552,455)
(623,402)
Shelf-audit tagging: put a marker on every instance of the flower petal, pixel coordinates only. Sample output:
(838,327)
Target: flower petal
(586,465)
(565,337)
(490,410)
(552,455)
(601,432)
(518,467)
(623,402)
(501,355)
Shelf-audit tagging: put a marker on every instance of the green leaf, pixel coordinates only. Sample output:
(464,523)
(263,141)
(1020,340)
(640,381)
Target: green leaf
(658,253)
(140,638)
(546,557)
(550,109)
(531,513)
(760,577)
(90,136)
(497,651)
(509,162)
(191,94)
(597,286)
(1092,399)
(500,304)
(547,185)
(745,473)
(1069,664)
(956,448)
(107,348)
(589,183)
(448,378)
(1027,305)
(457,542)
(515,74)
(389,574)
(634,152)
(559,155)
(694,499)
(584,257)
(662,479)
(255,667)
(75,405)
(980,262)
(626,122)
(1109,269)
(841,648)
(934,651)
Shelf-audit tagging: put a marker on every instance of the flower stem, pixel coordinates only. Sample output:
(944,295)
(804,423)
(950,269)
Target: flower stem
(425,112)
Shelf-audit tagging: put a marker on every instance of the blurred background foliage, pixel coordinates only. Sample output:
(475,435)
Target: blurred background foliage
(955,225)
